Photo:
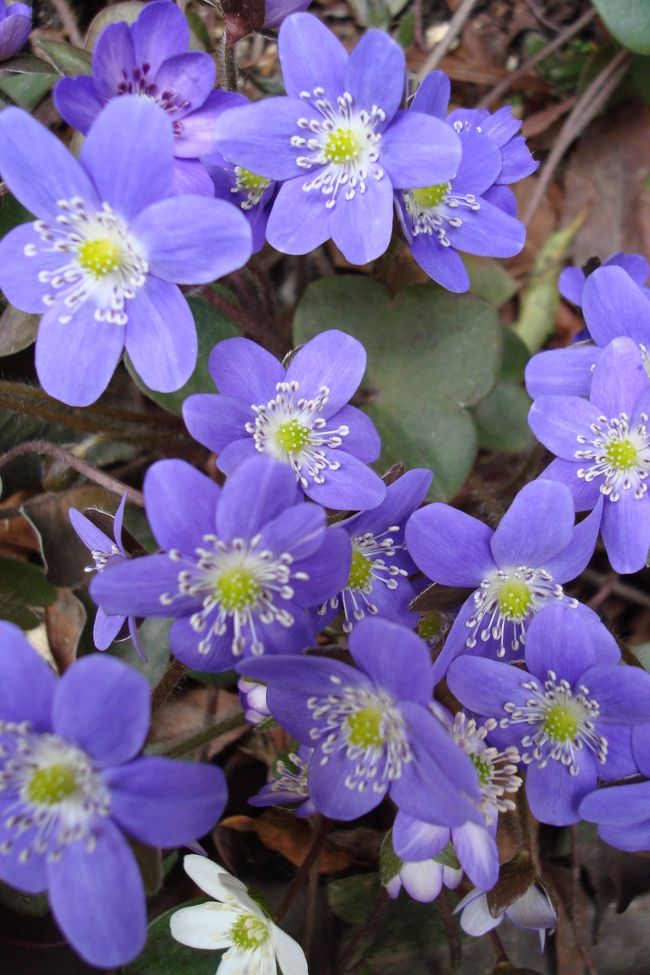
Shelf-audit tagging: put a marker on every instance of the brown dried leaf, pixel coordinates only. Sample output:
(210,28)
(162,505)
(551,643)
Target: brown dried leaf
(291,837)
(192,712)
(515,877)
(64,623)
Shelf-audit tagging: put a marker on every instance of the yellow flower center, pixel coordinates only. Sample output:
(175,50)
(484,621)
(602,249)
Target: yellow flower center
(237,589)
(249,932)
(364,728)
(483,768)
(430,196)
(342,146)
(360,572)
(293,436)
(99,257)
(515,600)
(561,723)
(49,786)
(622,454)
(251,181)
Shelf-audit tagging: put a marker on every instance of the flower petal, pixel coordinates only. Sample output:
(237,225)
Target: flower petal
(476,848)
(420,150)
(258,136)
(376,75)
(28,684)
(327,779)
(190,75)
(245,370)
(203,926)
(290,956)
(586,494)
(623,693)
(570,562)
(311,57)
(394,658)
(414,839)
(160,31)
(353,486)
(215,421)
(258,491)
(485,686)
(619,379)
(618,805)
(135,587)
(362,227)
(299,221)
(77,101)
(113,56)
(558,640)
(181,504)
(106,628)
(558,421)
(432,97)
(564,371)
(488,231)
(161,337)
(537,525)
(332,359)
(554,794)
(613,305)
(626,532)
(449,546)
(443,264)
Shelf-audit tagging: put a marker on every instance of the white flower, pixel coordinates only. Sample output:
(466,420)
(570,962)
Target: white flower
(254,942)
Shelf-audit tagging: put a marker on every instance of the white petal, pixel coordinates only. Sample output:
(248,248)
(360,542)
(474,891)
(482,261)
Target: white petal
(212,878)
(533,910)
(422,879)
(291,957)
(203,926)
(238,962)
(476,918)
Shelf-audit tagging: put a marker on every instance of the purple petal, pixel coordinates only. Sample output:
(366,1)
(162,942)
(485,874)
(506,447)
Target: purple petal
(503,198)
(135,586)
(476,918)
(353,486)
(328,569)
(118,523)
(311,57)
(20,268)
(558,421)
(559,640)
(571,284)
(98,899)
(620,761)
(620,805)
(564,371)
(619,379)
(106,629)
(28,683)
(84,709)
(623,693)
(299,530)
(15,28)
(605,645)
(77,101)
(113,57)
(630,838)
(641,747)
(191,177)
(626,532)
(476,848)
(456,642)
(181,504)
(257,492)
(575,557)
(442,264)
(190,76)
(215,421)
(299,221)
(245,370)
(160,32)
(161,336)
(235,454)
(480,163)
(394,658)
(554,794)
(362,227)
(75,360)
(376,75)
(613,305)
(537,525)
(488,231)
(414,839)
(403,496)
(37,167)
(449,546)
(517,161)
(194,134)
(485,686)
(586,494)
(94,539)
(362,440)
(326,779)
(432,97)
(420,150)
(166,803)
(276,10)
(332,359)
(258,137)
(129,154)
(29,875)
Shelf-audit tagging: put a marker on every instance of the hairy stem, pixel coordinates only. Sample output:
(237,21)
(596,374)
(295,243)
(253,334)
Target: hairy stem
(201,738)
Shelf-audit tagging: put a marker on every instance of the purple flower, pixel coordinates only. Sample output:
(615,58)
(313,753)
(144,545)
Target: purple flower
(470,211)
(423,879)
(275,11)
(378,583)
(371,728)
(151,59)
(240,566)
(623,811)
(299,416)
(603,449)
(288,783)
(252,697)
(72,786)
(338,141)
(614,305)
(514,571)
(109,247)
(474,843)
(253,194)
(570,716)
(572,280)
(15,27)
(532,911)
(107,551)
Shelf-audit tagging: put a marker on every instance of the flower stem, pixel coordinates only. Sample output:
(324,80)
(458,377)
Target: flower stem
(320,835)
(231,78)
(199,739)
(167,684)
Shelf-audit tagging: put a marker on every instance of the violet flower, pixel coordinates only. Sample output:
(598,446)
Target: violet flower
(15,27)
(371,728)
(514,571)
(299,416)
(532,911)
(569,717)
(422,879)
(72,785)
(275,11)
(472,211)
(151,58)
(378,583)
(240,567)
(108,249)
(288,783)
(603,449)
(572,280)
(614,305)
(338,142)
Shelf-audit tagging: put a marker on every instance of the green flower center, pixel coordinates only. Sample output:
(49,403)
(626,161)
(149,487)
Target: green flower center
(360,572)
(293,436)
(237,589)
(561,723)
(622,454)
(364,728)
(251,181)
(249,932)
(342,146)
(430,196)
(430,626)
(99,257)
(483,768)
(515,600)
(49,786)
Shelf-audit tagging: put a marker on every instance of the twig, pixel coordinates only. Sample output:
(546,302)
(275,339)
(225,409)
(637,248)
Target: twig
(451,928)
(380,905)
(588,105)
(499,951)
(320,835)
(69,22)
(167,683)
(76,463)
(456,24)
(620,588)
(310,913)
(502,87)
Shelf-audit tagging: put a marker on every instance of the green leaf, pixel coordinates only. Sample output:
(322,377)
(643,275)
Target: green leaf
(26,90)
(490,280)
(431,354)
(502,417)
(164,956)
(31,905)
(628,21)
(154,637)
(389,862)
(448,858)
(68,60)
(23,587)
(26,64)
(12,213)
(211,327)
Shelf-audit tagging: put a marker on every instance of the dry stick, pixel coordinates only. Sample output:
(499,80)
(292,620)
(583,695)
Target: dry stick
(76,463)
(456,24)
(499,90)
(167,684)
(312,899)
(620,588)
(320,835)
(67,17)
(588,105)
(499,951)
